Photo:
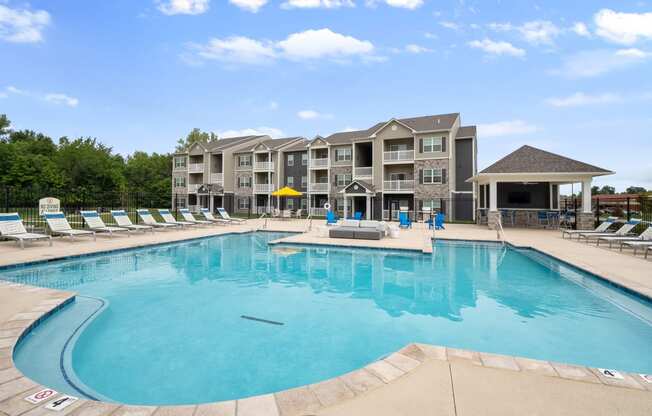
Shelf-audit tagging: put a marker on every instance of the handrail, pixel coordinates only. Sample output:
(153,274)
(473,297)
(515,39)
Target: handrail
(500,232)
(309,227)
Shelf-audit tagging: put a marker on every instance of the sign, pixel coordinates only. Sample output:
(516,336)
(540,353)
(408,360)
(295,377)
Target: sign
(610,373)
(61,403)
(39,396)
(48,205)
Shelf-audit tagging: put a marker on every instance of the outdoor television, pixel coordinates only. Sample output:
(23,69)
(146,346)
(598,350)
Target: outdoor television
(518,198)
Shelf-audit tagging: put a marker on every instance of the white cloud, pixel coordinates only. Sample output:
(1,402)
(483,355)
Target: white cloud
(506,128)
(61,99)
(623,28)
(22,26)
(500,27)
(312,115)
(449,25)
(16,91)
(259,131)
(497,48)
(54,98)
(316,4)
(249,5)
(3,94)
(580,99)
(192,7)
(307,45)
(430,35)
(581,29)
(587,64)
(417,49)
(273,105)
(536,32)
(402,4)
(323,43)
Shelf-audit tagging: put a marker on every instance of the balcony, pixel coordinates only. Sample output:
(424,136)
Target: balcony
(193,188)
(180,168)
(263,187)
(363,172)
(196,168)
(318,212)
(217,178)
(266,166)
(320,163)
(399,156)
(319,187)
(398,186)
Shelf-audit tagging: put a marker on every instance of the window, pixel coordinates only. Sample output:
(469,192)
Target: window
(243,203)
(179,162)
(304,159)
(289,203)
(304,181)
(342,155)
(343,179)
(432,176)
(181,202)
(289,181)
(433,204)
(179,181)
(244,160)
(397,176)
(434,144)
(397,147)
(244,181)
(290,160)
(304,203)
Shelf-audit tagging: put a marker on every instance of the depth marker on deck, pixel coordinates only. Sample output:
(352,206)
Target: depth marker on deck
(253,318)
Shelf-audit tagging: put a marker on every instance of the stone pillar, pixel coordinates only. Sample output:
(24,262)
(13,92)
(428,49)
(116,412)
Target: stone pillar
(492,219)
(585,221)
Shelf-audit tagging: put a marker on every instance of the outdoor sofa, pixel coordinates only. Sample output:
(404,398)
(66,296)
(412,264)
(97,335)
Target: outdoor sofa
(359,230)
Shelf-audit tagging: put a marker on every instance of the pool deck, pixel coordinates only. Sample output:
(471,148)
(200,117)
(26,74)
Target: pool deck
(418,380)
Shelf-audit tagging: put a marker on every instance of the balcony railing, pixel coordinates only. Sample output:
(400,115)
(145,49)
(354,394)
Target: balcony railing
(363,172)
(193,188)
(319,163)
(217,178)
(196,168)
(395,214)
(264,166)
(398,156)
(406,185)
(319,187)
(319,212)
(180,168)
(263,187)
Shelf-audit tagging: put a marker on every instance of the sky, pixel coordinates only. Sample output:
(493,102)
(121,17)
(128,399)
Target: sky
(573,78)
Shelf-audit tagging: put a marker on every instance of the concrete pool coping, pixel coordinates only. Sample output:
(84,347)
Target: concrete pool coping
(367,388)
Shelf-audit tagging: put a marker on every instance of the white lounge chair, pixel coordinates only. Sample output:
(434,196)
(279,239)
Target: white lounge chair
(224,214)
(644,236)
(149,219)
(209,217)
(12,228)
(59,225)
(95,223)
(635,245)
(121,218)
(188,217)
(601,229)
(624,231)
(169,218)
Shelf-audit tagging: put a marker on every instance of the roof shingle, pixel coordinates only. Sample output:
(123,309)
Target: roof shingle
(528,159)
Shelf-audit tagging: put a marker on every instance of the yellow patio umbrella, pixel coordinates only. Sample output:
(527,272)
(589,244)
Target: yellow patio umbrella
(285,192)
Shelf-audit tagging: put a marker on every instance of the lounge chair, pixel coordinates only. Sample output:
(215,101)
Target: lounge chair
(188,217)
(624,231)
(225,215)
(95,223)
(121,218)
(59,225)
(331,218)
(168,218)
(149,219)
(12,228)
(209,217)
(403,220)
(357,216)
(644,236)
(635,245)
(600,229)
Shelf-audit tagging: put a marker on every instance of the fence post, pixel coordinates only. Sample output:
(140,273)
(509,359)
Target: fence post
(597,211)
(629,211)
(6,199)
(249,207)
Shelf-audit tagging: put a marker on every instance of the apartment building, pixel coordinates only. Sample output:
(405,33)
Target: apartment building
(400,164)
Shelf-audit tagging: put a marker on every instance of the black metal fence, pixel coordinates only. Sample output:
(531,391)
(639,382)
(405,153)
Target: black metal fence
(25,201)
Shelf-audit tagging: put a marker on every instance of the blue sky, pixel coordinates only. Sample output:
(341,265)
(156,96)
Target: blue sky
(569,77)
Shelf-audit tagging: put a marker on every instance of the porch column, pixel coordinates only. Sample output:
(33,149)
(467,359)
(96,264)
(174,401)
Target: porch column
(368,211)
(211,202)
(493,196)
(345,207)
(586,196)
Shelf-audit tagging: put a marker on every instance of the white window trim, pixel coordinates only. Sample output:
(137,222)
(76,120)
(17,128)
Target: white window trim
(434,173)
(343,155)
(304,159)
(290,160)
(431,142)
(242,159)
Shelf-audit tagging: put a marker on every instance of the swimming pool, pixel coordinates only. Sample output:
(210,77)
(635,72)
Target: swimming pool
(166,323)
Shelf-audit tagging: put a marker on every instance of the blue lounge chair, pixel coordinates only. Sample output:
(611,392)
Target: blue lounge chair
(439,221)
(404,220)
(331,218)
(357,216)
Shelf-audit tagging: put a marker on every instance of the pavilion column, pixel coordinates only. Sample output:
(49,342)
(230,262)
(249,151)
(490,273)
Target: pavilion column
(493,216)
(585,220)
(586,196)
(345,207)
(368,211)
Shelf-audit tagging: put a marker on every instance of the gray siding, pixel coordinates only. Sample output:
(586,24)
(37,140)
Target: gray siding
(463,164)
(296,171)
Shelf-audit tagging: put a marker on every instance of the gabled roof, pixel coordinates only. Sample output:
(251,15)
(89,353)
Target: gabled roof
(430,123)
(368,188)
(301,145)
(528,159)
(345,137)
(227,142)
(466,131)
(272,144)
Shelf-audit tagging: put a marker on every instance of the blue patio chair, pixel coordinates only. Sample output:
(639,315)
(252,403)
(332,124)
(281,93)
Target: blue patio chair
(542,217)
(404,220)
(331,218)
(439,221)
(357,216)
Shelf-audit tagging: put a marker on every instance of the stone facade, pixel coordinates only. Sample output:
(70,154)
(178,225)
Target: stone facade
(585,221)
(430,191)
(492,219)
(334,171)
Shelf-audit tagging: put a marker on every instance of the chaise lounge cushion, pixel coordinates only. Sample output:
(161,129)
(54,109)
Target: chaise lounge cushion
(342,232)
(368,234)
(351,223)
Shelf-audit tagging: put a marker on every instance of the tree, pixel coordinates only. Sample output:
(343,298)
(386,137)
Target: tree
(150,175)
(4,126)
(605,190)
(635,190)
(195,136)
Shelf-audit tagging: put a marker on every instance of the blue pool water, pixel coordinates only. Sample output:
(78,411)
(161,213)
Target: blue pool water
(171,330)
